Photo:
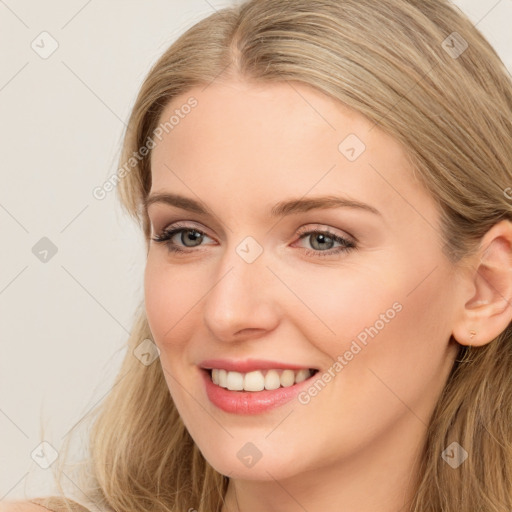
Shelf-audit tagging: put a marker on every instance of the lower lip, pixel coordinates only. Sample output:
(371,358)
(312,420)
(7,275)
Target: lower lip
(250,402)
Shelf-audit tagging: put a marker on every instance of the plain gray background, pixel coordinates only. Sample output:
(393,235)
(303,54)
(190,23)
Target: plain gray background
(64,321)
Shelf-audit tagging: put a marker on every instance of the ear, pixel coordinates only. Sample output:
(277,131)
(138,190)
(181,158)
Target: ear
(486,307)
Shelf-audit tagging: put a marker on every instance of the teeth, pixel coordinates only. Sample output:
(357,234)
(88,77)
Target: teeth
(287,378)
(302,375)
(272,380)
(253,381)
(235,381)
(223,378)
(258,380)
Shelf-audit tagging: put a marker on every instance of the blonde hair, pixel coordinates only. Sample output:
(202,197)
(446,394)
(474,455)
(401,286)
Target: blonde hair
(399,63)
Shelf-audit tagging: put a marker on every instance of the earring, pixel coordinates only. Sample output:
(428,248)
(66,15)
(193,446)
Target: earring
(472,334)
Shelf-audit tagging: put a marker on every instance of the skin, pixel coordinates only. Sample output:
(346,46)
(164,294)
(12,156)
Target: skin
(243,149)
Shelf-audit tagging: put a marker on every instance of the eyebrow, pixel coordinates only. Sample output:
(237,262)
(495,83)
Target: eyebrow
(281,209)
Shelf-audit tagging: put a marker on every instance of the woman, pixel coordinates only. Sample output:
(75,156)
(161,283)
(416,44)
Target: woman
(324,188)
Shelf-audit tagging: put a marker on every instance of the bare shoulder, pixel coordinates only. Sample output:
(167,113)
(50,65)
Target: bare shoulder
(42,504)
(20,506)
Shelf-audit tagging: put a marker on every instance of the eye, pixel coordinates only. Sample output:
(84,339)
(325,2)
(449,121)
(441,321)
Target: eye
(189,236)
(322,242)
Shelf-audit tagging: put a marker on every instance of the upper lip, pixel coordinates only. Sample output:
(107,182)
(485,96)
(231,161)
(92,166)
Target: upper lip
(248,365)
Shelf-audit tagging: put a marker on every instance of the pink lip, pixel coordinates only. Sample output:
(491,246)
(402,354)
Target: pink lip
(248,365)
(250,402)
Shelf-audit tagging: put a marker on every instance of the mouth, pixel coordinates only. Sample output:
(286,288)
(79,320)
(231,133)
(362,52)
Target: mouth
(258,380)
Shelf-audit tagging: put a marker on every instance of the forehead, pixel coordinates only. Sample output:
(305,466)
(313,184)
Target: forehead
(275,115)
(274,140)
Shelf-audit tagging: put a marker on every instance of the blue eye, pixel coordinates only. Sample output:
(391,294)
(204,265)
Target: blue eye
(326,238)
(188,235)
(191,237)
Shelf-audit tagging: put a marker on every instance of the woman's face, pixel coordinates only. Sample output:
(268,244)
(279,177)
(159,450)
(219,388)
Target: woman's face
(371,310)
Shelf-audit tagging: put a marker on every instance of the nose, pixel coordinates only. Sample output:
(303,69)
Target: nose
(242,301)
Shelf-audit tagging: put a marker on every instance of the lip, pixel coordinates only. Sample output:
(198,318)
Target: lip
(251,402)
(249,365)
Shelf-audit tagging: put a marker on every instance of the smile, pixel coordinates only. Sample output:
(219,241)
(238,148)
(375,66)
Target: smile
(258,380)
(250,395)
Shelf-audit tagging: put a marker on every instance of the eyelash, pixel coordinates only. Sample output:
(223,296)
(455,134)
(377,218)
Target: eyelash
(346,245)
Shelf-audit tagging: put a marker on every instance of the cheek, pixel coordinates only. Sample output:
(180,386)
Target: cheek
(393,318)
(169,299)
(403,363)
(334,306)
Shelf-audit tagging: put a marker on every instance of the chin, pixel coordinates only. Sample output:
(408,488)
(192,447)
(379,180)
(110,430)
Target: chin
(240,466)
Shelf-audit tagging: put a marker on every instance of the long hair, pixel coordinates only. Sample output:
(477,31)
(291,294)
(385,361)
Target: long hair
(420,71)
